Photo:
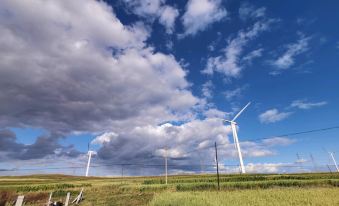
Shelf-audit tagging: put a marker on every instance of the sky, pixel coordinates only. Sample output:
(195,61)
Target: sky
(130,78)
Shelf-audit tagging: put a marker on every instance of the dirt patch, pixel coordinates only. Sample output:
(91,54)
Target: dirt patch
(6,196)
(36,197)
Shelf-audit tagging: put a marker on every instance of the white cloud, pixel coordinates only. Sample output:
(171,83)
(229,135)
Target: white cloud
(300,161)
(247,11)
(58,72)
(278,141)
(253,55)
(207,89)
(303,104)
(287,59)
(167,18)
(105,137)
(142,142)
(155,9)
(257,152)
(200,14)
(229,64)
(171,153)
(236,93)
(186,143)
(273,115)
(215,113)
(265,167)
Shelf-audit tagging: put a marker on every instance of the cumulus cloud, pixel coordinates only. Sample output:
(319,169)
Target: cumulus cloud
(105,137)
(59,73)
(147,144)
(287,59)
(66,76)
(215,113)
(180,137)
(200,14)
(167,18)
(186,143)
(42,147)
(273,115)
(303,104)
(229,63)
(155,9)
(146,7)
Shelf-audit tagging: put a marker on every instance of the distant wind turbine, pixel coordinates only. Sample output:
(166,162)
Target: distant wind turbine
(235,137)
(89,159)
(335,163)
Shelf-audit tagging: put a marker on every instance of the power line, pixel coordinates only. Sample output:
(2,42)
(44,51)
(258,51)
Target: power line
(270,137)
(298,133)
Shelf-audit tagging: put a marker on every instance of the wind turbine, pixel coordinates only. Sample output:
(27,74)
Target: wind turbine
(335,163)
(90,152)
(235,137)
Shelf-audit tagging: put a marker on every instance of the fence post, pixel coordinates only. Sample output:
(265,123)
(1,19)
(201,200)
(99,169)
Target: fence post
(67,198)
(19,200)
(49,199)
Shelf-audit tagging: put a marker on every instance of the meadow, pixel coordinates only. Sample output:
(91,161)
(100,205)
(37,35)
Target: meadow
(249,189)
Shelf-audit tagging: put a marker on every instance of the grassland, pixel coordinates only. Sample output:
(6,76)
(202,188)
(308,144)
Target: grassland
(272,197)
(292,189)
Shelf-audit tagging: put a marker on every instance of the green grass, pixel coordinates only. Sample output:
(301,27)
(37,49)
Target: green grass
(152,190)
(272,197)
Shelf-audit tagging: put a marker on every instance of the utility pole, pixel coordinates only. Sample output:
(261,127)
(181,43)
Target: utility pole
(216,159)
(335,163)
(166,165)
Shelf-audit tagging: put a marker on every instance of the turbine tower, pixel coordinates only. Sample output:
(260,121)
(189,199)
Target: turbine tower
(335,163)
(89,161)
(235,137)
(90,152)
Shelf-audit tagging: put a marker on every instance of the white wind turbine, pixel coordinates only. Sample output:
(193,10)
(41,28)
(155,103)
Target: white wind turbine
(235,137)
(89,153)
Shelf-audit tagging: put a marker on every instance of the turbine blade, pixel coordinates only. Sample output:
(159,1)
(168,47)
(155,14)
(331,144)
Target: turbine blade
(239,113)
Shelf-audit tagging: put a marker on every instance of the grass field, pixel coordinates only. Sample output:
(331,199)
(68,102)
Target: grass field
(292,189)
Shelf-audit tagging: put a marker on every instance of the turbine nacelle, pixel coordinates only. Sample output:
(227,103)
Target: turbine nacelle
(229,121)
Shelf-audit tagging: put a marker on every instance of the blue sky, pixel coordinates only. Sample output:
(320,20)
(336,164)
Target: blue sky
(132,77)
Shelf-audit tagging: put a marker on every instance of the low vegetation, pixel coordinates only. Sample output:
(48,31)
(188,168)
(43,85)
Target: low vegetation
(283,196)
(311,189)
